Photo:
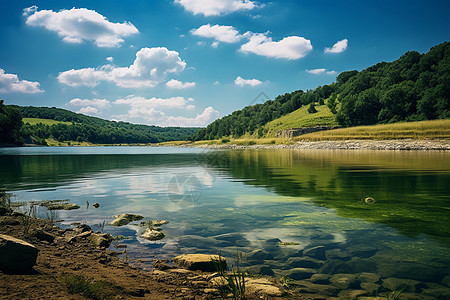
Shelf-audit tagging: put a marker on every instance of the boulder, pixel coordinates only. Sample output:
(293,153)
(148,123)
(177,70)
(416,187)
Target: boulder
(262,287)
(300,273)
(406,285)
(368,277)
(124,219)
(43,235)
(304,262)
(259,256)
(16,255)
(320,278)
(344,281)
(370,287)
(202,262)
(152,234)
(317,252)
(101,239)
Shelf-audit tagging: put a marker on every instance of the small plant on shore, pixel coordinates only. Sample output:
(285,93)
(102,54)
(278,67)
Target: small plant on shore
(88,287)
(394,295)
(234,279)
(286,281)
(5,199)
(29,214)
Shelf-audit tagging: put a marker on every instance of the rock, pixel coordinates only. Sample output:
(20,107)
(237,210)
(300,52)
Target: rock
(304,262)
(82,228)
(6,220)
(408,270)
(299,273)
(446,281)
(314,288)
(260,270)
(152,234)
(202,262)
(16,255)
(317,252)
(262,287)
(101,239)
(437,293)
(370,287)
(43,235)
(259,256)
(406,285)
(218,281)
(344,281)
(154,223)
(368,277)
(356,265)
(124,219)
(200,242)
(4,211)
(161,264)
(352,294)
(96,205)
(337,254)
(362,251)
(320,278)
(62,206)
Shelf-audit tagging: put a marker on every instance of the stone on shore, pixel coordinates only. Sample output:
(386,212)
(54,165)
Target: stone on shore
(202,262)
(124,219)
(152,234)
(16,255)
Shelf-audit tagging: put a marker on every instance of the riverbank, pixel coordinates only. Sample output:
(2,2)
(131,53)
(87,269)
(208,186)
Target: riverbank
(76,264)
(403,144)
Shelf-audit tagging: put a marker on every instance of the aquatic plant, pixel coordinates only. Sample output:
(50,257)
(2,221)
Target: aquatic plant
(394,295)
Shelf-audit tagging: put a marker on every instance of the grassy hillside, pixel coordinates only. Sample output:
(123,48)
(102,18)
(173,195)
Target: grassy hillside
(49,122)
(302,118)
(432,129)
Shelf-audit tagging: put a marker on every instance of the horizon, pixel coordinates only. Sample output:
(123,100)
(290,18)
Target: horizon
(156,63)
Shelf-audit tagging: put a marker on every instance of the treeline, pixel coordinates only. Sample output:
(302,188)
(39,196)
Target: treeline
(91,129)
(10,124)
(414,87)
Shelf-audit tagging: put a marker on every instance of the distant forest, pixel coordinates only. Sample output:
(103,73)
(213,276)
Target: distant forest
(82,128)
(414,87)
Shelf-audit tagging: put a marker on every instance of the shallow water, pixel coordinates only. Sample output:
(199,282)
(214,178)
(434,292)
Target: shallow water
(245,200)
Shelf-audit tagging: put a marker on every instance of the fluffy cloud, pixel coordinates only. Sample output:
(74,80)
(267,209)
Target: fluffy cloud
(216,7)
(291,47)
(339,47)
(80,24)
(10,83)
(321,71)
(100,103)
(242,82)
(88,110)
(203,119)
(148,69)
(226,34)
(176,84)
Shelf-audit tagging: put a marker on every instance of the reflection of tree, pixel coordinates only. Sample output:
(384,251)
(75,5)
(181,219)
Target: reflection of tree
(409,198)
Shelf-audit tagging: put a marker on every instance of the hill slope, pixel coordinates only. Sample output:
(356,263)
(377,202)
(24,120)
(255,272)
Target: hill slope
(415,87)
(63,125)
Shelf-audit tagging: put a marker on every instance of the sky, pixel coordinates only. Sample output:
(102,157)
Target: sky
(189,62)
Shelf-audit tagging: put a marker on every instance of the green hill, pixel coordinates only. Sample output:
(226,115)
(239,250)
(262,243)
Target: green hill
(415,87)
(41,124)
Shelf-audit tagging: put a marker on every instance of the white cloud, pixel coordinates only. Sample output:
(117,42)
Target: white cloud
(225,34)
(217,82)
(88,110)
(216,7)
(148,70)
(176,84)
(100,103)
(80,24)
(10,83)
(321,71)
(203,119)
(291,47)
(110,59)
(242,82)
(29,10)
(339,47)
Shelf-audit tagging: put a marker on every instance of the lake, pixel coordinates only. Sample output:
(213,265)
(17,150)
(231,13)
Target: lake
(382,214)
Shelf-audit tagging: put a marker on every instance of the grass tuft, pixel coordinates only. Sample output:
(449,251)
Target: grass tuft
(88,287)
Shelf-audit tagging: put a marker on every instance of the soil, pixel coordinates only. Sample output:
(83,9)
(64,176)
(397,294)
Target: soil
(60,258)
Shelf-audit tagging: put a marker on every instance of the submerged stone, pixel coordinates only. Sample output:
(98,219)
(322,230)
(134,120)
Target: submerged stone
(344,281)
(406,285)
(300,273)
(152,234)
(317,252)
(124,219)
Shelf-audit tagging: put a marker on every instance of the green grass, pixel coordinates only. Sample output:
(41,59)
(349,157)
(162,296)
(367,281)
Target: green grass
(433,129)
(88,287)
(49,122)
(301,118)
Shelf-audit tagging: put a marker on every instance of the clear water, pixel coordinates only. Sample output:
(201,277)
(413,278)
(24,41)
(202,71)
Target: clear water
(243,200)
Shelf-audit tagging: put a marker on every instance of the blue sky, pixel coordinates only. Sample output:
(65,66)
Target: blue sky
(189,62)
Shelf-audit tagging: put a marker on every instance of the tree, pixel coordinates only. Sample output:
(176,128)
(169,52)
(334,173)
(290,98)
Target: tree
(10,123)
(312,108)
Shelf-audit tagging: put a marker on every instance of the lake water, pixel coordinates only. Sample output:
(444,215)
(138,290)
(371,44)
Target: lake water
(300,208)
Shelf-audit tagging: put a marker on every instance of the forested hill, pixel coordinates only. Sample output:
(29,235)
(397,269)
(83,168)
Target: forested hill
(414,87)
(81,128)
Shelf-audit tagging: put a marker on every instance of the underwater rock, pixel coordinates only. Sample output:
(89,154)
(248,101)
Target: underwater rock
(371,288)
(263,287)
(16,255)
(368,277)
(406,285)
(259,256)
(446,281)
(361,250)
(337,254)
(317,252)
(352,294)
(304,262)
(260,270)
(355,265)
(344,281)
(320,278)
(124,219)
(408,270)
(152,234)
(202,262)
(299,273)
